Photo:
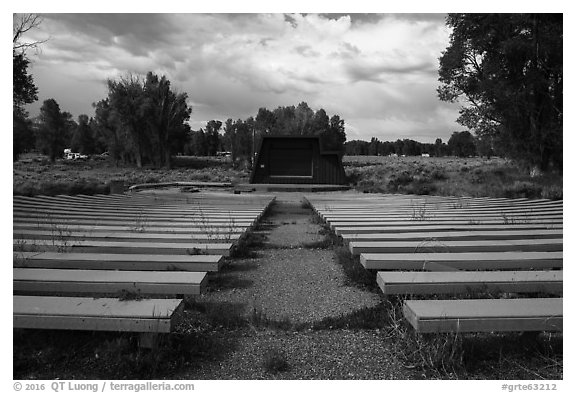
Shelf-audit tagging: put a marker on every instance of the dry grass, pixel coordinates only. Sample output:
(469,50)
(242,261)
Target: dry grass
(35,175)
(449,176)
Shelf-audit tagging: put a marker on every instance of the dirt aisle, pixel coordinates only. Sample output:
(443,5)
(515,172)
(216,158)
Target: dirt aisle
(290,284)
(289,279)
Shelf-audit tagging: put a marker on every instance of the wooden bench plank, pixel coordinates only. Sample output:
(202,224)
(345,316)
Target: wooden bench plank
(484,315)
(454,235)
(73,313)
(465,261)
(449,246)
(54,260)
(395,283)
(65,223)
(135,229)
(408,223)
(22,210)
(435,215)
(110,247)
(51,216)
(443,227)
(132,236)
(107,281)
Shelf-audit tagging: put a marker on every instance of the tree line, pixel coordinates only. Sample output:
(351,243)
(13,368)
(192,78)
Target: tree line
(461,144)
(242,137)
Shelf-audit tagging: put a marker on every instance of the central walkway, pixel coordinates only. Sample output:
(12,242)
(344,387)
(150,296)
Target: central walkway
(289,279)
(289,282)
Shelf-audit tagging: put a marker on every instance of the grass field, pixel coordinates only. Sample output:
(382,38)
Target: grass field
(34,175)
(449,176)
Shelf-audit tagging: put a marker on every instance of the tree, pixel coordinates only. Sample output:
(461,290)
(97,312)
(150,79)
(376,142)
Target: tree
(213,137)
(230,139)
(165,113)
(109,135)
(21,24)
(508,67)
(23,135)
(24,91)
(303,116)
(320,122)
(198,144)
(127,102)
(462,144)
(82,138)
(53,136)
(334,137)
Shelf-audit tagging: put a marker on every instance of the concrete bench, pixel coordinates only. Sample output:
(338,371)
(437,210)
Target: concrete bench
(89,261)
(134,236)
(432,229)
(149,317)
(484,315)
(425,283)
(63,281)
(454,246)
(464,261)
(127,247)
(456,235)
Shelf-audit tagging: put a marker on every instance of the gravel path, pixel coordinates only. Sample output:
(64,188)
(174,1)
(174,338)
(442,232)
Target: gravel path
(287,280)
(290,282)
(336,354)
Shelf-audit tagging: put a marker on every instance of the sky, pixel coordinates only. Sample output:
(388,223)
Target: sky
(378,72)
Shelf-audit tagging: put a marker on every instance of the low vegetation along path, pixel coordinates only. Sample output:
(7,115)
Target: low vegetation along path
(292,281)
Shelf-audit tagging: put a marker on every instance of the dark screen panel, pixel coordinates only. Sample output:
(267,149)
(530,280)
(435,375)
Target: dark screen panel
(290,162)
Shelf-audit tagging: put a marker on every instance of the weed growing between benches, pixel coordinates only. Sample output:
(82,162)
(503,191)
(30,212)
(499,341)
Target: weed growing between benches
(356,274)
(107,355)
(474,355)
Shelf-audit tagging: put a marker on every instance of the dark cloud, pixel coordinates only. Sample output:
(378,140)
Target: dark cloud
(357,18)
(368,18)
(135,33)
(417,17)
(358,71)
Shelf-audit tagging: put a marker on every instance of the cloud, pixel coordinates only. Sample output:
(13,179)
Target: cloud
(377,71)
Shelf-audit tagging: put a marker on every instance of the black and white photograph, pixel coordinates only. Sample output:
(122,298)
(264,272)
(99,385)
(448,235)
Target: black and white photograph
(246,195)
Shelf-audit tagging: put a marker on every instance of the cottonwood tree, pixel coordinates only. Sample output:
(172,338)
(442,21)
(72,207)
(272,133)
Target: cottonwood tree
(462,144)
(148,116)
(212,136)
(127,102)
(166,113)
(55,129)
(508,70)
(82,137)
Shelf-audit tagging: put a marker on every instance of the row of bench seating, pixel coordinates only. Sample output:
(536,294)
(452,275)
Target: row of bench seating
(83,250)
(458,247)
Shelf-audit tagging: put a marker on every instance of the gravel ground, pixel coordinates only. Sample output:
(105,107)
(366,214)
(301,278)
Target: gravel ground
(337,354)
(289,282)
(286,280)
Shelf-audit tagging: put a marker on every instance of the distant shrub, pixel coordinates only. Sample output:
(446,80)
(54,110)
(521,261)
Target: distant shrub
(439,174)
(552,192)
(78,187)
(401,179)
(420,188)
(523,189)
